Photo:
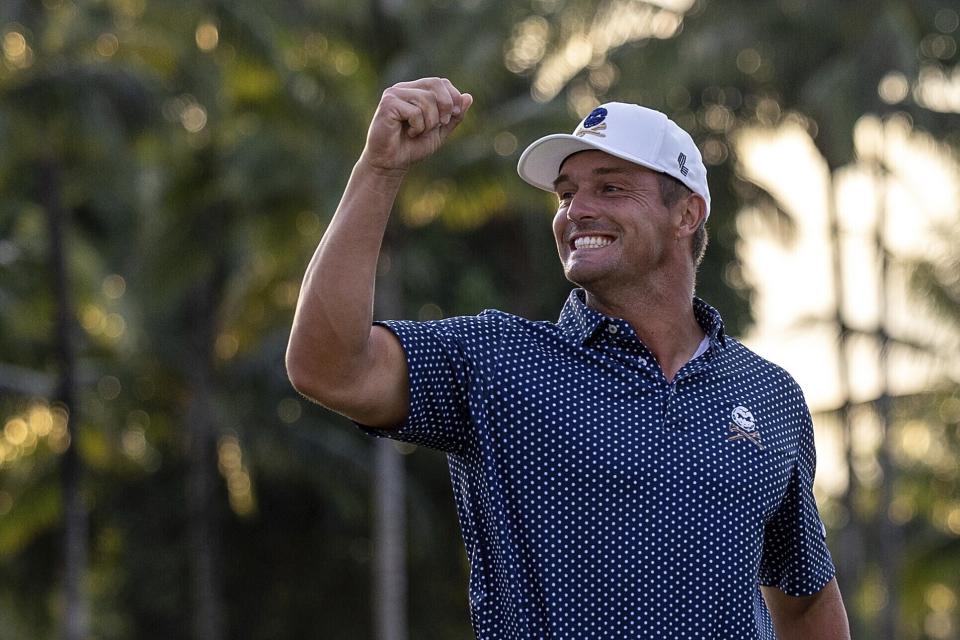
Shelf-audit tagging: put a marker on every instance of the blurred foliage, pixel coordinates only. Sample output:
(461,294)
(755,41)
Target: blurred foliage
(202,148)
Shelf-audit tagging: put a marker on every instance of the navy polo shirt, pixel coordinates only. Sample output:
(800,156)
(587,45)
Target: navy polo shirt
(598,500)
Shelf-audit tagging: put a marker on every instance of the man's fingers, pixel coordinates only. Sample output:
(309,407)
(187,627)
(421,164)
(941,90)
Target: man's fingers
(427,116)
(410,115)
(448,100)
(461,110)
(438,99)
(460,102)
(466,100)
(430,109)
(424,112)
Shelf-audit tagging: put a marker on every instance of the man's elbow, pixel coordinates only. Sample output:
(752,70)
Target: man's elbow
(305,375)
(370,387)
(298,375)
(323,382)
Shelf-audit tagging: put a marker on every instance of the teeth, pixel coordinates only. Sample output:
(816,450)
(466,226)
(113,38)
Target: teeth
(591,242)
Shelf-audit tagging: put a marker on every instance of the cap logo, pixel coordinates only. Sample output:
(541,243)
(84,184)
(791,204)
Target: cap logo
(682,163)
(593,124)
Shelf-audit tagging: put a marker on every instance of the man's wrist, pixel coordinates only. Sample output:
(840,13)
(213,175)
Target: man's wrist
(391,175)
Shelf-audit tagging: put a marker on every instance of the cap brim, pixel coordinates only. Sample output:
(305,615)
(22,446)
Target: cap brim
(539,164)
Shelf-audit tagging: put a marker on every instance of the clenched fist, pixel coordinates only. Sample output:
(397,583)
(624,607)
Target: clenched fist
(412,121)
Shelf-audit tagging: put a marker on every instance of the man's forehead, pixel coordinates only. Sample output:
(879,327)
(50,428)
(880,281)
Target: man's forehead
(594,163)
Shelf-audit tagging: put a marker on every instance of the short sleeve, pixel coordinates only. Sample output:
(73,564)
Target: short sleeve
(795,555)
(445,364)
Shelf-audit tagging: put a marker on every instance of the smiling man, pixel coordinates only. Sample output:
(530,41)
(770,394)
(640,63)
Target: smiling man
(629,471)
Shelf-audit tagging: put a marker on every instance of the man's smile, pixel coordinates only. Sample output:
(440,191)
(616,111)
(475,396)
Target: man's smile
(591,242)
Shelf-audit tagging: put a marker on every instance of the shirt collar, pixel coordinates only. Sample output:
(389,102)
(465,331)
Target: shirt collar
(578,320)
(581,322)
(710,321)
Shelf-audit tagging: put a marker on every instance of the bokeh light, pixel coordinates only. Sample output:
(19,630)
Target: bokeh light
(207,36)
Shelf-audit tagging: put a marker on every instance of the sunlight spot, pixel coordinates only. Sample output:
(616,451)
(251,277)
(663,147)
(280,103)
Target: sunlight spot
(109,387)
(504,143)
(902,509)
(953,520)
(938,625)
(289,410)
(588,43)
(748,61)
(915,439)
(114,286)
(427,204)
(893,88)
(15,431)
(226,345)
(527,45)
(14,45)
(346,62)
(134,443)
(193,117)
(946,20)
(207,36)
(429,311)
(114,326)
(937,89)
(234,471)
(16,49)
(107,45)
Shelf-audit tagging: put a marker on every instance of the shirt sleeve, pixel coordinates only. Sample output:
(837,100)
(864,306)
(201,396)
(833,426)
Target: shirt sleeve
(795,555)
(445,363)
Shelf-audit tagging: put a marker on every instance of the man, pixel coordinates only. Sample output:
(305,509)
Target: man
(627,472)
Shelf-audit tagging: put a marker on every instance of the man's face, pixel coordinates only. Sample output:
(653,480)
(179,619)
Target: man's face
(611,227)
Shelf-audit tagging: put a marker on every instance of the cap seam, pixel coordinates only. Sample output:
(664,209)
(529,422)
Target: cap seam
(663,135)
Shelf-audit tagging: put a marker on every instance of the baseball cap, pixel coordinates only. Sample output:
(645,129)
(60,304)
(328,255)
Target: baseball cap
(637,134)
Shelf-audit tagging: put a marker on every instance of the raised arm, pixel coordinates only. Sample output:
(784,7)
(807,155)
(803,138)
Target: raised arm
(335,356)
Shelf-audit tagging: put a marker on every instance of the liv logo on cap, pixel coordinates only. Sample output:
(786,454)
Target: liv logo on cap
(643,136)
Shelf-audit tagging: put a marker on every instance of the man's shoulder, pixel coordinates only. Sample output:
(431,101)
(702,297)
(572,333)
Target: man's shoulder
(511,329)
(747,362)
(485,326)
(493,317)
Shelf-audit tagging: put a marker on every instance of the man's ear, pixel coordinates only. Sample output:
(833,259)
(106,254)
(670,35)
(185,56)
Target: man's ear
(693,211)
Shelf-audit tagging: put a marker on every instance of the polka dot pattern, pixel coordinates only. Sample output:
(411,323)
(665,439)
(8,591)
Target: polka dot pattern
(598,500)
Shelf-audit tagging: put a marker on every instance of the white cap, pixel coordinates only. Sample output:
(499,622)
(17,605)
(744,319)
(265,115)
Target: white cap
(637,134)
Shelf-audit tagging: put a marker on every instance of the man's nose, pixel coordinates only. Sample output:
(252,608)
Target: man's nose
(581,207)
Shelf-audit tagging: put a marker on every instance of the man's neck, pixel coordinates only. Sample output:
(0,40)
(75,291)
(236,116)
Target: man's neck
(663,320)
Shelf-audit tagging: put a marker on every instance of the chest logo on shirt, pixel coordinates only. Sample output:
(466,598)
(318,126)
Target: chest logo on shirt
(743,426)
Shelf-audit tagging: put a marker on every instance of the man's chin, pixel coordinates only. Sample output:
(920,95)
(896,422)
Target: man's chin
(583,277)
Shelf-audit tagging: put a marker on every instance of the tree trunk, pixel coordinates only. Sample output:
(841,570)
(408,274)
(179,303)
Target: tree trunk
(202,510)
(389,522)
(389,542)
(202,501)
(890,542)
(75,518)
(850,547)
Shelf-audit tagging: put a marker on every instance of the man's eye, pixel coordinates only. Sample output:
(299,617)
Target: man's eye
(565,196)
(610,188)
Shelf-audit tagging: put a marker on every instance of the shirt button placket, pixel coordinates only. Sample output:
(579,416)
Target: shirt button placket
(671,392)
